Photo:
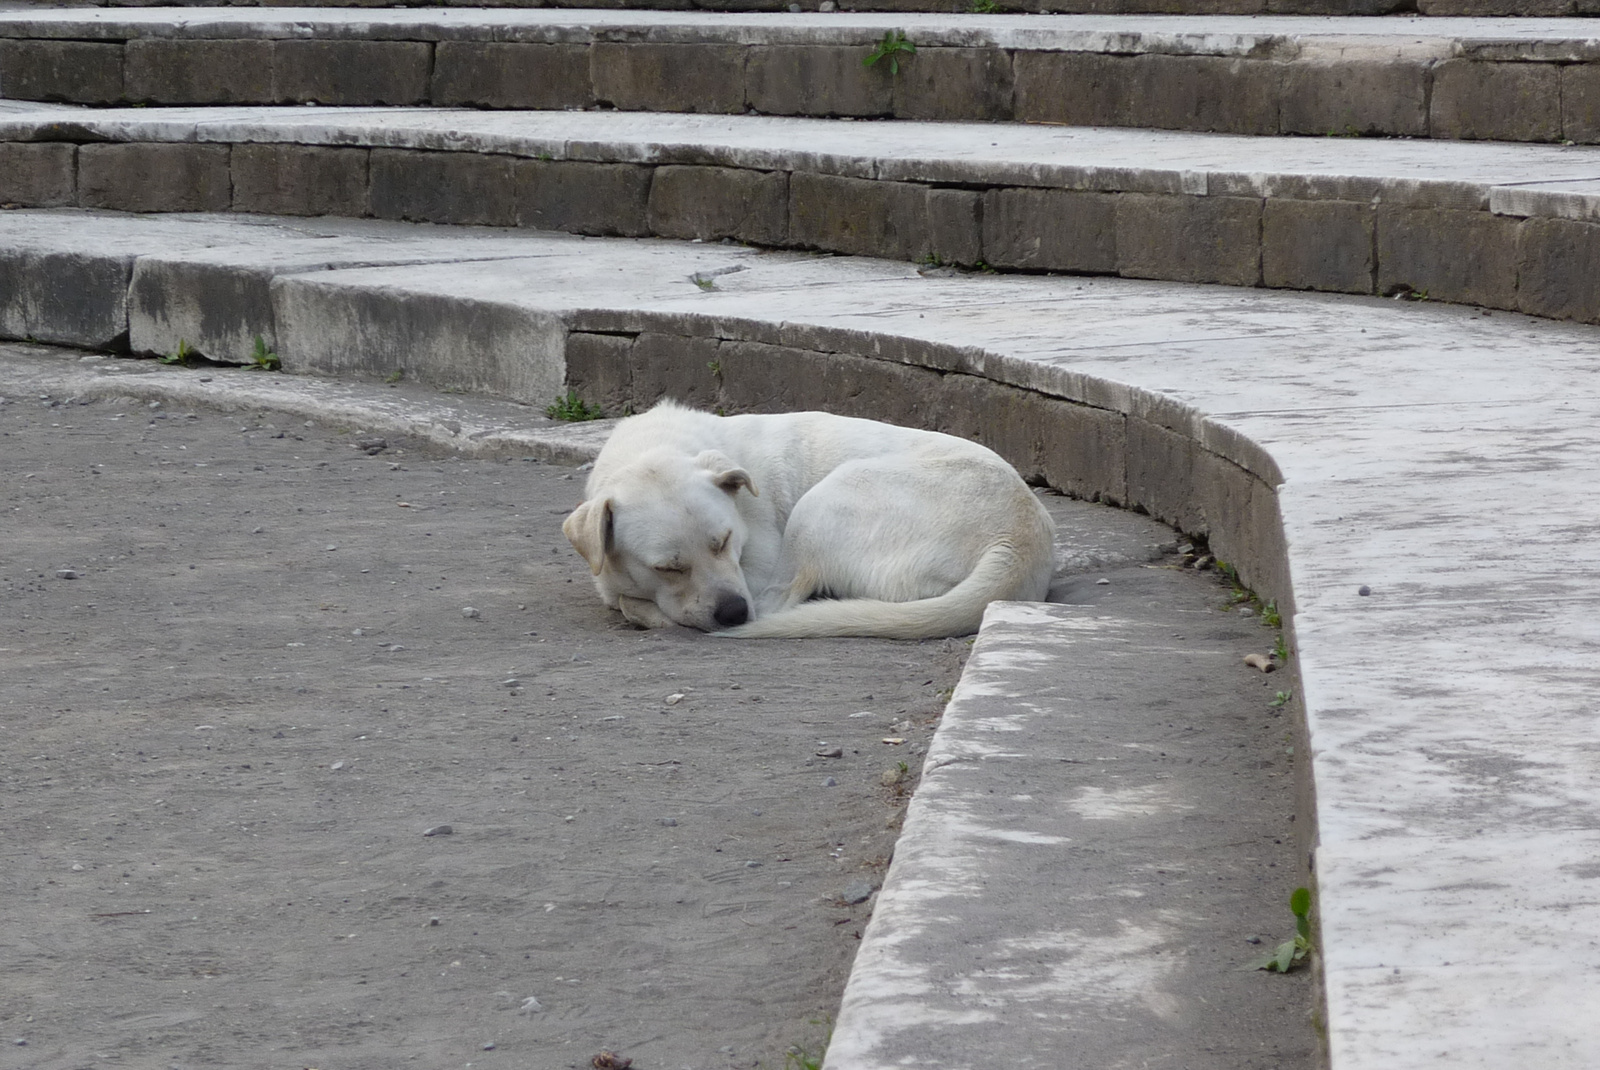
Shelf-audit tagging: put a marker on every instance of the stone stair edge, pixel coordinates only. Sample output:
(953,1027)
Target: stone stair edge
(1426,8)
(1418,78)
(1513,231)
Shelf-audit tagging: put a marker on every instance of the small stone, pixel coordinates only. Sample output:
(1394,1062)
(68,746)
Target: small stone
(394,647)
(77,867)
(21,1042)
(358,632)
(470,613)
(830,783)
(752,865)
(530,1006)
(831,752)
(336,766)
(1252,939)
(66,573)
(669,822)
(432,922)
(489,1046)
(894,741)
(511,682)
(439,830)
(1204,562)
(1364,591)
(827,7)
(1102,582)
(674,698)
(900,728)
(330,548)
(1246,611)
(856,892)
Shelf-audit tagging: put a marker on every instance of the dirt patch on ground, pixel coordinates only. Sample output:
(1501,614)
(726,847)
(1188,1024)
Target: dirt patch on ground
(250,665)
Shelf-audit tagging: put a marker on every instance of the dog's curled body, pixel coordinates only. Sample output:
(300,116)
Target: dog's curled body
(806,524)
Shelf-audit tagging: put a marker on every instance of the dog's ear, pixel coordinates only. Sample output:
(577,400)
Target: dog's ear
(590,529)
(725,474)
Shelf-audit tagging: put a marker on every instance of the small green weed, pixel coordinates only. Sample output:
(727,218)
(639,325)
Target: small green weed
(1289,954)
(809,1056)
(890,48)
(1280,699)
(705,282)
(572,409)
(264,359)
(984,7)
(1280,649)
(395,376)
(184,354)
(1270,615)
(716,367)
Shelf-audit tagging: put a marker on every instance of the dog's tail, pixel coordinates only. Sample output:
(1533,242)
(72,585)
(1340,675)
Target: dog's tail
(1005,571)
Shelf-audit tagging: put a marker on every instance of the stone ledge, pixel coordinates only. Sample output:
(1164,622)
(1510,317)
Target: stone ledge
(1479,224)
(1460,78)
(1327,444)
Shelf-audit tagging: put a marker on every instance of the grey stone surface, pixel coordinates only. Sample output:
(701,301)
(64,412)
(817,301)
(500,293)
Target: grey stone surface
(351,72)
(154,177)
(1388,440)
(163,71)
(1318,245)
(300,180)
(668,77)
(44,174)
(86,72)
(1496,101)
(584,198)
(511,74)
(712,203)
(1039,906)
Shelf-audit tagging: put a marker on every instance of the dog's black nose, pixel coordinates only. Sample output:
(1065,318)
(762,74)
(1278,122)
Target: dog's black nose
(731,610)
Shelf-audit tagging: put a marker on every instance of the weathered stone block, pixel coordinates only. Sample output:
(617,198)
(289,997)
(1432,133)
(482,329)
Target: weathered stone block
(1580,103)
(38,174)
(1074,448)
(1449,254)
(334,327)
(1076,88)
(955,226)
(299,180)
(1496,101)
(600,370)
(765,378)
(1221,93)
(511,75)
(583,198)
(79,72)
(154,177)
(669,77)
(954,83)
(1385,96)
(1189,239)
(443,187)
(816,80)
(1050,230)
(1317,245)
(1161,466)
(673,366)
(1558,269)
(858,216)
(65,298)
(719,202)
(164,71)
(217,309)
(352,72)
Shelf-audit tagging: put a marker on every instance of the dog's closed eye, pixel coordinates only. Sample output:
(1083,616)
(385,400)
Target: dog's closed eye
(670,570)
(721,544)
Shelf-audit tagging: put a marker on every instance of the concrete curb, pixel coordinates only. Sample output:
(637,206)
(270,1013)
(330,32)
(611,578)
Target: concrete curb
(1509,227)
(1442,615)
(1461,78)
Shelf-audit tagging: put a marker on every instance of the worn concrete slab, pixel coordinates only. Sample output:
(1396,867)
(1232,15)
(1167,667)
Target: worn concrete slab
(1256,36)
(1455,174)
(1441,458)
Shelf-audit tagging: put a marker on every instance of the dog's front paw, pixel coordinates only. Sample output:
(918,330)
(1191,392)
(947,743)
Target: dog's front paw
(642,614)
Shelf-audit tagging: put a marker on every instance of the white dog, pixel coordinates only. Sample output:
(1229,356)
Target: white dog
(806,524)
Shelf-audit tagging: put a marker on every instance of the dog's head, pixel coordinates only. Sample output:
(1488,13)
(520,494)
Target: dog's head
(667,529)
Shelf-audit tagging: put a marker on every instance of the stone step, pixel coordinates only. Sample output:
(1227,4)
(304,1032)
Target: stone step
(1498,225)
(1432,8)
(1409,481)
(1461,78)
